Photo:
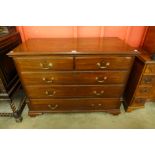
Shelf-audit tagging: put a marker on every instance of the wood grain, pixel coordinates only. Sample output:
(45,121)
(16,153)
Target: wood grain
(60,91)
(74,77)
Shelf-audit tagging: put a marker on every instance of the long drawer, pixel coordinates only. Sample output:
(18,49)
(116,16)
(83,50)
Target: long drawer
(74,91)
(98,77)
(74,104)
(103,63)
(44,63)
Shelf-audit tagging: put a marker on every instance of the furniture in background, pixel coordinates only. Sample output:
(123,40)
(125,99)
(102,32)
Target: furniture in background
(9,80)
(141,83)
(74,75)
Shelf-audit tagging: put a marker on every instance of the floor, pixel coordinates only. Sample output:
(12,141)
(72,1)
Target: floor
(138,119)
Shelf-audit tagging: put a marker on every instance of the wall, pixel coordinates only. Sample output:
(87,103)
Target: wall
(133,35)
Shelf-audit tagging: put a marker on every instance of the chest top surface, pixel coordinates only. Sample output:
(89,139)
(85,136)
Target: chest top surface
(73,46)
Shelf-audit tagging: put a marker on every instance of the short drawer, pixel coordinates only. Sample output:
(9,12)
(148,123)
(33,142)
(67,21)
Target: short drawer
(64,78)
(152,94)
(74,91)
(143,91)
(148,79)
(103,63)
(150,69)
(138,102)
(74,104)
(44,63)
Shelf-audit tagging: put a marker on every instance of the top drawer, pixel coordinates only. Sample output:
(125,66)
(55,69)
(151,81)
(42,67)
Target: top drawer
(150,69)
(103,63)
(44,63)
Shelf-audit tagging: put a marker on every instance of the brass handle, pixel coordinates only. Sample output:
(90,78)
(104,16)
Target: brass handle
(140,100)
(144,90)
(98,94)
(97,105)
(50,94)
(48,81)
(103,65)
(52,107)
(101,81)
(148,80)
(46,65)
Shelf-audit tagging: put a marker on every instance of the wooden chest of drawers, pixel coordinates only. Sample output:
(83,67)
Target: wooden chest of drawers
(141,84)
(73,75)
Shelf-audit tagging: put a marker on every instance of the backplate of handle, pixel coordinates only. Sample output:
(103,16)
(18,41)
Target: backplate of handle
(144,90)
(53,107)
(48,81)
(49,93)
(99,80)
(148,80)
(98,93)
(46,65)
(103,65)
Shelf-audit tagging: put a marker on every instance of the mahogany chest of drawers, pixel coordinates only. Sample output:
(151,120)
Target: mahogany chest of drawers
(74,75)
(141,84)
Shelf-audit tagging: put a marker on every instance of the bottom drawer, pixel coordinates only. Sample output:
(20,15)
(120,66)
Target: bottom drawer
(138,102)
(74,104)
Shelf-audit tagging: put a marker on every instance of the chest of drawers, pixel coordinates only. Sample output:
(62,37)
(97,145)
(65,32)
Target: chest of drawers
(141,84)
(73,75)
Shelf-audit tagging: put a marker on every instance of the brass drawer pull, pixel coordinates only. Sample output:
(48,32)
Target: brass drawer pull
(144,90)
(46,65)
(147,80)
(48,81)
(99,105)
(103,65)
(49,93)
(52,107)
(101,81)
(140,100)
(98,94)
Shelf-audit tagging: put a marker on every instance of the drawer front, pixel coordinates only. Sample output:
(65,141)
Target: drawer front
(143,91)
(139,102)
(111,77)
(44,63)
(74,91)
(148,79)
(152,94)
(150,69)
(103,63)
(74,105)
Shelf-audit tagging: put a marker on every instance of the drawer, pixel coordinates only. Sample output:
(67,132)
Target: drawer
(138,102)
(143,91)
(148,79)
(74,104)
(101,77)
(44,63)
(150,69)
(103,63)
(152,94)
(73,91)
